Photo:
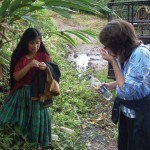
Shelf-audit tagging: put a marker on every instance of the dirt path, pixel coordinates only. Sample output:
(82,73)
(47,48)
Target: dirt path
(96,136)
(90,50)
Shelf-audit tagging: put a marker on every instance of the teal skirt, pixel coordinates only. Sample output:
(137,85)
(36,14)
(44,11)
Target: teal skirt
(31,117)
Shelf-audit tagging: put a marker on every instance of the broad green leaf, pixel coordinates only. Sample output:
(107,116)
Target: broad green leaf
(69,39)
(35,8)
(29,18)
(92,33)
(81,36)
(3,60)
(79,5)
(66,37)
(60,10)
(16,7)
(4,7)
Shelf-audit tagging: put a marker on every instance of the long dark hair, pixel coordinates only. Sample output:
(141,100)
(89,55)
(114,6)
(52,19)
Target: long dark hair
(120,37)
(22,48)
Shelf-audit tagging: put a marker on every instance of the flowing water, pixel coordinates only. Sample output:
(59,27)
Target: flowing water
(87,56)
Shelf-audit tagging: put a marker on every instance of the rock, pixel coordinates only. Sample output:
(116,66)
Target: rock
(55,137)
(67,130)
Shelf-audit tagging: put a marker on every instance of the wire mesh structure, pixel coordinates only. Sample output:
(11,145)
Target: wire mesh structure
(135,12)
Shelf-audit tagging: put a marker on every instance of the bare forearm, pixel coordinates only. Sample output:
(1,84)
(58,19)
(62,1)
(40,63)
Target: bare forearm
(118,74)
(21,73)
(113,85)
(109,57)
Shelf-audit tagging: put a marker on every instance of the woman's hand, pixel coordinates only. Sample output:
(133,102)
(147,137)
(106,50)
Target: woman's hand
(117,71)
(42,66)
(34,63)
(110,86)
(21,73)
(105,55)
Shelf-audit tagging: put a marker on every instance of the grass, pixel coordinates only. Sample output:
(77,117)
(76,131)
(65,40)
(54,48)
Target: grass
(77,101)
(89,21)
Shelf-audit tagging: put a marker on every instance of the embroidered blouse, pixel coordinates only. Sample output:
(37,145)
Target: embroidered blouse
(137,78)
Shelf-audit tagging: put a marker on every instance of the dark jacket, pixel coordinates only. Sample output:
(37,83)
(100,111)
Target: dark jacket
(45,84)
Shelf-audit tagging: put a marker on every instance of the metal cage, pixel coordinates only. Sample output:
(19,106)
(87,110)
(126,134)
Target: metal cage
(135,12)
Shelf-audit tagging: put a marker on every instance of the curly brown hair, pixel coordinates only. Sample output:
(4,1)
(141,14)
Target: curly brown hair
(120,37)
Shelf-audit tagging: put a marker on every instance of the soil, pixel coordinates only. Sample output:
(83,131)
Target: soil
(91,51)
(96,135)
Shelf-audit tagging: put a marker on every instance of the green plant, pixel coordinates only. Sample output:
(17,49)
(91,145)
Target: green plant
(70,108)
(12,11)
(12,138)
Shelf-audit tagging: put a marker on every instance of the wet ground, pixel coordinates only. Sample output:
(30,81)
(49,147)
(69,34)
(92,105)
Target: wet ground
(84,55)
(96,137)
(88,56)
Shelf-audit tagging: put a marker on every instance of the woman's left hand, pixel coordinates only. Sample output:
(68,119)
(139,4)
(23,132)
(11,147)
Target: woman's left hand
(42,66)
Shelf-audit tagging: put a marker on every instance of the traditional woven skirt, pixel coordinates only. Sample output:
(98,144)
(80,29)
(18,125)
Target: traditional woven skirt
(31,117)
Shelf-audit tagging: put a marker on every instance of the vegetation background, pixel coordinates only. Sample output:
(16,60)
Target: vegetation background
(78,107)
